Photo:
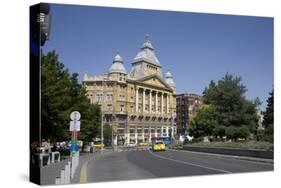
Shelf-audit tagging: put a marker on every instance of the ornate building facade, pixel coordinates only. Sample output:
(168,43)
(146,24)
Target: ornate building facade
(139,104)
(187,104)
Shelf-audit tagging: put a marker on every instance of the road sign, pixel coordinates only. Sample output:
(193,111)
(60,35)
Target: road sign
(74,148)
(75,116)
(74,126)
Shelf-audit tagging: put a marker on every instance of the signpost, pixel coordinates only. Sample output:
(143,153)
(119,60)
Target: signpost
(74,127)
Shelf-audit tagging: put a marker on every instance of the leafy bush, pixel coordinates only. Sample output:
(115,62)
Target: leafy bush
(266,134)
(243,132)
(230,132)
(199,139)
(234,133)
(268,138)
(186,141)
(260,134)
(219,131)
(194,140)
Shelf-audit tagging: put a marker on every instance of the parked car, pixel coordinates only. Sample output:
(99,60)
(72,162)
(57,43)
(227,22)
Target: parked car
(158,146)
(143,144)
(132,144)
(98,145)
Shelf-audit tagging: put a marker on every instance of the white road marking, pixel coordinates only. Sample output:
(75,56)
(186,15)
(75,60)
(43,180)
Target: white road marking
(83,173)
(187,163)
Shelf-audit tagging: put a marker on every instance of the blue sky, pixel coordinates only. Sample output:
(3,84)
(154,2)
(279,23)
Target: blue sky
(196,48)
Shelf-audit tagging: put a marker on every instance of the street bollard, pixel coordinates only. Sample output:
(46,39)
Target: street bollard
(57,181)
(62,177)
(69,171)
(65,174)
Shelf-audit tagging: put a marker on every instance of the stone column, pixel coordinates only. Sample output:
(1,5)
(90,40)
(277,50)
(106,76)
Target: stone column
(136,134)
(156,102)
(142,133)
(149,134)
(127,135)
(137,100)
(143,101)
(162,103)
(167,105)
(161,131)
(150,101)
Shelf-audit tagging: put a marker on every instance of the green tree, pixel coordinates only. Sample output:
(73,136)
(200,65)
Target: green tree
(219,131)
(268,115)
(61,93)
(203,123)
(228,96)
(107,134)
(231,113)
(269,119)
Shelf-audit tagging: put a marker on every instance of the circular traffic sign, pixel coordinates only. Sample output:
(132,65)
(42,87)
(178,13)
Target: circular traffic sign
(75,116)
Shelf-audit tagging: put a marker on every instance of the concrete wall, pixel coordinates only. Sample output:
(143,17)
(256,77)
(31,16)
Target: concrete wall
(236,152)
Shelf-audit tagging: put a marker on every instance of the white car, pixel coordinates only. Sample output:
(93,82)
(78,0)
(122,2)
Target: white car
(132,144)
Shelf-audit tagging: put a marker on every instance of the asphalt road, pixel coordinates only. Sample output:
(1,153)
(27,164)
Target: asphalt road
(143,164)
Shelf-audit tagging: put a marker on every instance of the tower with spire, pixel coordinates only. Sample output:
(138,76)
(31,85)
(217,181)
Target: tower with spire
(146,62)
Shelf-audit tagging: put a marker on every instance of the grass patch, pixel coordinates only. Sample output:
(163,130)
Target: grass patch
(237,145)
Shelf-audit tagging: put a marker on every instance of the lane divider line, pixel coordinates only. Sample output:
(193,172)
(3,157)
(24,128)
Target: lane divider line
(192,164)
(83,173)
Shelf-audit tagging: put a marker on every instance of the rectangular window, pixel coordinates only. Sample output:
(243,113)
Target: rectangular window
(132,131)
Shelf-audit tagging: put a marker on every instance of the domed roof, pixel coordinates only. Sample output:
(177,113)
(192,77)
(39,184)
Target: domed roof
(168,75)
(117,65)
(169,80)
(147,53)
(118,58)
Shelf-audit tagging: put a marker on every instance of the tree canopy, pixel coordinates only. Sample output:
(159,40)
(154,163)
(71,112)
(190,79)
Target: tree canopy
(268,115)
(61,93)
(268,120)
(225,107)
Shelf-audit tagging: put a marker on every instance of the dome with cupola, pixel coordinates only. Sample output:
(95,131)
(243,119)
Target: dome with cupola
(169,80)
(117,65)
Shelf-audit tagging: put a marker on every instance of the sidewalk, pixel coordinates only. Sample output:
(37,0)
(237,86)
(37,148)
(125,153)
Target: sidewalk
(50,172)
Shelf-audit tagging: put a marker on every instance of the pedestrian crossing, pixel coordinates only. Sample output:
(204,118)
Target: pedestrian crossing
(132,149)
